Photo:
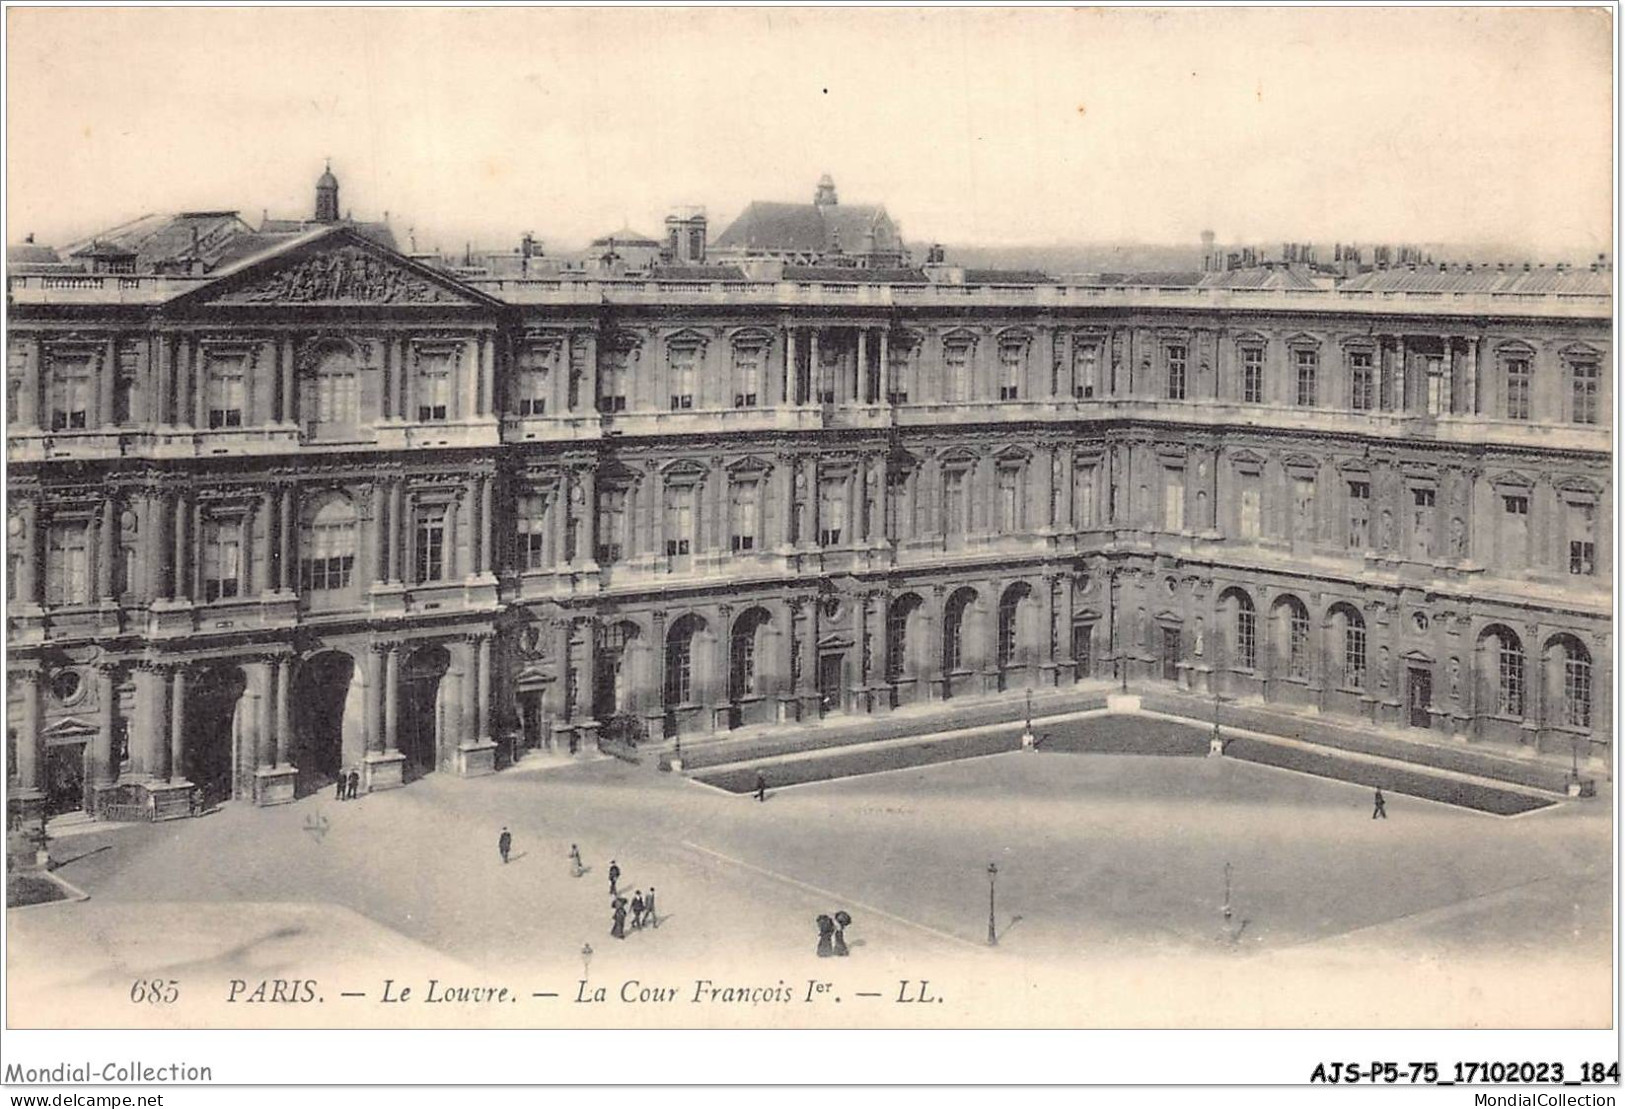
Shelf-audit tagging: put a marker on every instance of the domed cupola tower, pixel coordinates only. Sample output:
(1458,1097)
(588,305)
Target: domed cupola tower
(825,196)
(327,196)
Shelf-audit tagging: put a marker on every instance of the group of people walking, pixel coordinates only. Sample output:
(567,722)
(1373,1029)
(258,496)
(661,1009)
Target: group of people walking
(347,785)
(642,905)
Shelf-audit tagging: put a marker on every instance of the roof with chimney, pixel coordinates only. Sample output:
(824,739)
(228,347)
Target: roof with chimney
(824,228)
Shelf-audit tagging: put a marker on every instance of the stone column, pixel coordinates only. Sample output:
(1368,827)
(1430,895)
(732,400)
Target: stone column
(1470,373)
(403,379)
(290,569)
(163,383)
(392,697)
(587,526)
(104,382)
(860,382)
(158,732)
(180,578)
(487,525)
(881,622)
(373,713)
(106,582)
(30,749)
(28,400)
(104,766)
(789,374)
(270,573)
(177,728)
(290,402)
(284,720)
(397,530)
(484,702)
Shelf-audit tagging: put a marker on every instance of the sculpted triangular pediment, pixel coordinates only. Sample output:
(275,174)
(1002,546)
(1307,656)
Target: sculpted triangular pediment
(340,269)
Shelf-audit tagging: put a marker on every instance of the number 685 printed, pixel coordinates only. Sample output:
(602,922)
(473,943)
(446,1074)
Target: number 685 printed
(155,991)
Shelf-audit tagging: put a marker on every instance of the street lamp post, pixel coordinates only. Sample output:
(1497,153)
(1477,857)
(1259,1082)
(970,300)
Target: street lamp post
(992,925)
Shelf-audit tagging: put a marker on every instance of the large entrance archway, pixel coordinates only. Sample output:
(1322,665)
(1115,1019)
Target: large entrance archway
(421,718)
(209,760)
(319,695)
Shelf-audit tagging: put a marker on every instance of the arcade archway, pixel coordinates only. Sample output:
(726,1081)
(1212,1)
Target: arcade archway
(421,717)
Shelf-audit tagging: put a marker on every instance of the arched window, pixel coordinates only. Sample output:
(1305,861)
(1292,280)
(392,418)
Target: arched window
(1244,619)
(1502,655)
(1569,663)
(329,391)
(897,620)
(679,686)
(1352,625)
(327,550)
(611,696)
(743,680)
(953,627)
(1292,632)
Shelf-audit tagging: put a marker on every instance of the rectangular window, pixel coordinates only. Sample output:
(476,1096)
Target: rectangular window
(956,369)
(1252,375)
(831,512)
(1303,510)
(1510,687)
(1247,639)
(955,521)
(1517,375)
(71,394)
(1308,362)
(1435,386)
(1515,530)
(1009,501)
(1174,357)
(222,559)
(1582,519)
(611,525)
(1584,376)
(745,522)
(226,392)
(534,385)
(1250,521)
(1354,656)
(532,533)
(1362,380)
(1359,515)
(1422,505)
(747,375)
(1577,692)
(898,353)
(1086,371)
(434,395)
(679,521)
(614,378)
(327,557)
(1088,498)
(1297,654)
(1012,362)
(67,566)
(430,547)
(1173,502)
(682,362)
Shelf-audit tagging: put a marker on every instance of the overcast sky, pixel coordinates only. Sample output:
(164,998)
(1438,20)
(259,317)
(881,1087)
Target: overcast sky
(1004,126)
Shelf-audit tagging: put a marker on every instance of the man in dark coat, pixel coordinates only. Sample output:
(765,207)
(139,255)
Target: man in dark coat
(637,909)
(761,786)
(338,794)
(618,929)
(614,877)
(1380,808)
(649,908)
(354,784)
(826,936)
(504,842)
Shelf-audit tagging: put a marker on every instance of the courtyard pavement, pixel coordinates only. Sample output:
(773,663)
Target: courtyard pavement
(1109,903)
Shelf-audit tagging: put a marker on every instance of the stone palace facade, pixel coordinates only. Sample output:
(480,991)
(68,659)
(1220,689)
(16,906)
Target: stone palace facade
(325,505)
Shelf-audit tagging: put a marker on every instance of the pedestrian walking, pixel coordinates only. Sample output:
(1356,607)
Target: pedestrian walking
(504,842)
(826,936)
(618,929)
(576,869)
(761,787)
(637,910)
(1380,807)
(614,877)
(354,784)
(649,908)
(338,795)
(843,920)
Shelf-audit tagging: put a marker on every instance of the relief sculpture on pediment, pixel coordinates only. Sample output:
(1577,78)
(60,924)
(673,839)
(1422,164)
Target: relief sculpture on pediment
(348,275)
